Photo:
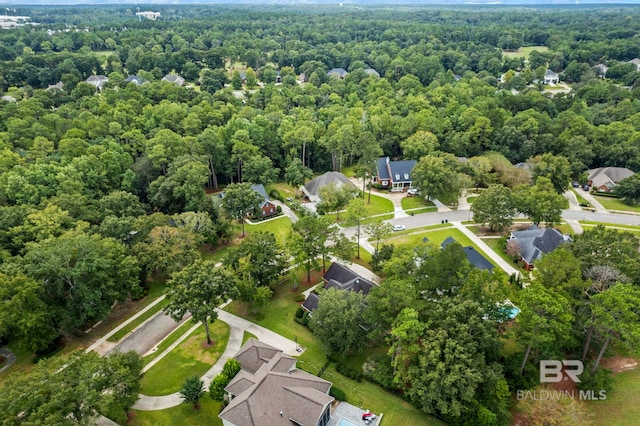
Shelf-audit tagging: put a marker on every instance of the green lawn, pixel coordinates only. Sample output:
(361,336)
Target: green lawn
(378,204)
(415,203)
(186,360)
(279,227)
(422,210)
(168,341)
(279,317)
(496,245)
(183,415)
(142,318)
(525,51)
(617,204)
(246,336)
(622,406)
(284,189)
(471,199)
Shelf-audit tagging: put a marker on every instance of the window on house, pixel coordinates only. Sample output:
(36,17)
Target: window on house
(406,176)
(385,183)
(397,176)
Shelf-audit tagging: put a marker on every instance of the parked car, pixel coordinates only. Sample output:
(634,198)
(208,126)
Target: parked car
(399,227)
(585,188)
(412,191)
(575,184)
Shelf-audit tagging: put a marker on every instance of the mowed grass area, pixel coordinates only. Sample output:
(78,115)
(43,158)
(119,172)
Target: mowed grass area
(280,227)
(416,202)
(617,204)
(524,52)
(183,415)
(190,358)
(497,245)
(279,317)
(622,406)
(284,189)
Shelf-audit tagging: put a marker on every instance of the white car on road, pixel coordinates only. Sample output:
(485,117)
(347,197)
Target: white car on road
(399,227)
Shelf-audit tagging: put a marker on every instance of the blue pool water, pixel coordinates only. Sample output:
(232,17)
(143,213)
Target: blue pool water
(345,422)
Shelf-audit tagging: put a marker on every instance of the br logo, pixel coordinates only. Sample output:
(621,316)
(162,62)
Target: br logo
(551,370)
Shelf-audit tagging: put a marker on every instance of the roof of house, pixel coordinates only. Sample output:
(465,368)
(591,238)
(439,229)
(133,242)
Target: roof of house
(97,78)
(135,79)
(549,73)
(397,171)
(312,188)
(473,256)
(173,78)
(259,188)
(340,277)
(608,176)
(311,302)
(337,72)
(372,72)
(535,242)
(59,85)
(254,354)
(636,62)
(276,394)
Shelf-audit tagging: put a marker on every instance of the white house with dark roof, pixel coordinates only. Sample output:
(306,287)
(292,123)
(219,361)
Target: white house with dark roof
(372,72)
(135,80)
(98,81)
(271,391)
(396,175)
(551,77)
(605,179)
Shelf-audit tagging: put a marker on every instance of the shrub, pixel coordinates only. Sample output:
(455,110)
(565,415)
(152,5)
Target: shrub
(378,369)
(299,312)
(599,381)
(349,372)
(278,209)
(299,298)
(53,348)
(276,195)
(337,393)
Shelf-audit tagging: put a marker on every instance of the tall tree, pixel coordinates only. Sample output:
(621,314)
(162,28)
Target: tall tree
(629,189)
(437,176)
(556,168)
(264,256)
(540,202)
(378,231)
(199,289)
(307,239)
(356,211)
(240,201)
(494,206)
(334,198)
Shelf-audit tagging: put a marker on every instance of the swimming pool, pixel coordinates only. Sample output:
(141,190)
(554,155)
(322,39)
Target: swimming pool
(345,422)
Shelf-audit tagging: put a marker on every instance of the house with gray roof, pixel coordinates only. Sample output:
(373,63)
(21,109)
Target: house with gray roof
(473,256)
(271,391)
(58,86)
(635,62)
(312,188)
(135,80)
(340,73)
(173,78)
(266,205)
(340,277)
(372,72)
(551,77)
(605,179)
(535,242)
(98,81)
(396,175)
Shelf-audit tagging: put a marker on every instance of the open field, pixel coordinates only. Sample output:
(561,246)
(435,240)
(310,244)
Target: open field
(525,51)
(622,406)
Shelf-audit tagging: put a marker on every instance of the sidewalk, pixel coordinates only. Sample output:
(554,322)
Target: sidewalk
(503,264)
(593,202)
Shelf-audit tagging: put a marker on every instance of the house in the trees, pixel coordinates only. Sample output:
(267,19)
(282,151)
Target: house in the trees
(174,78)
(271,391)
(605,179)
(342,278)
(98,81)
(58,86)
(535,242)
(312,188)
(551,77)
(635,62)
(473,256)
(372,72)
(148,15)
(601,70)
(135,80)
(266,205)
(396,175)
(340,73)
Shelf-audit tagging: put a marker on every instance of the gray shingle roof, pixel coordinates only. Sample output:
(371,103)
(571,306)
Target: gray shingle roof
(312,188)
(397,171)
(608,176)
(535,242)
(341,278)
(337,72)
(473,256)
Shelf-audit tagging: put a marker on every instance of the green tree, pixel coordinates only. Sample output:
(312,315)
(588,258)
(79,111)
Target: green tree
(494,206)
(250,78)
(72,390)
(378,231)
(192,391)
(82,275)
(307,239)
(437,176)
(236,80)
(419,144)
(356,211)
(334,198)
(554,167)
(168,249)
(264,257)
(199,289)
(296,173)
(336,321)
(540,202)
(629,189)
(544,322)
(240,201)
(259,169)
(229,370)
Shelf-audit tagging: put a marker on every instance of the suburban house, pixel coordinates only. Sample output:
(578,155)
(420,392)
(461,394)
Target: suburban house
(551,77)
(535,242)
(340,73)
(271,391)
(58,86)
(473,256)
(342,278)
(601,70)
(604,179)
(372,72)
(312,188)
(148,15)
(173,78)
(135,80)
(98,81)
(635,62)
(266,205)
(395,174)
